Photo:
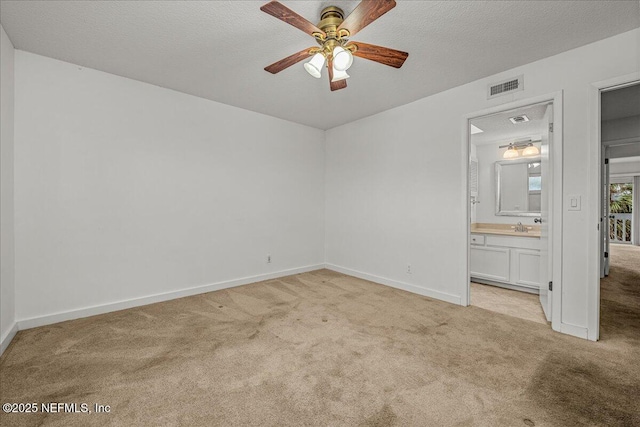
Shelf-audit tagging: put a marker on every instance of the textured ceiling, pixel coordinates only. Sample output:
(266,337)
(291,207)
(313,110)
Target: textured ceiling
(218,49)
(498,127)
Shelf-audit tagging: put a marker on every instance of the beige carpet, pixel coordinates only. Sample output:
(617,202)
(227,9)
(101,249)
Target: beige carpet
(620,296)
(323,349)
(506,301)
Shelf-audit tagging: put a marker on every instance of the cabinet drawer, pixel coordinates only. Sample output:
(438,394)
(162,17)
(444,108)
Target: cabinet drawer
(514,242)
(477,239)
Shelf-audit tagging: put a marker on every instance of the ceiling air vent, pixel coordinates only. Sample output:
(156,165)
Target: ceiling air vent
(519,119)
(505,87)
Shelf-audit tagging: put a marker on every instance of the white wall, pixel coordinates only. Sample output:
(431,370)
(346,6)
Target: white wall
(395,181)
(7,289)
(125,190)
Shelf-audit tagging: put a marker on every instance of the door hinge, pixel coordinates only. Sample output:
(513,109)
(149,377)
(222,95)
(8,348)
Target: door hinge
(606,161)
(606,254)
(550,286)
(550,127)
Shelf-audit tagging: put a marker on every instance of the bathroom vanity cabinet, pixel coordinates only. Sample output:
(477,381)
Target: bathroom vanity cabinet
(505,260)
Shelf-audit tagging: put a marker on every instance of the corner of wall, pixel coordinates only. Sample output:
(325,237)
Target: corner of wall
(324,192)
(8,327)
(6,340)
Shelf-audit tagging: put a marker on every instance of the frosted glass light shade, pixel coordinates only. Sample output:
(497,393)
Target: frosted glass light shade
(511,153)
(530,150)
(339,75)
(314,67)
(342,59)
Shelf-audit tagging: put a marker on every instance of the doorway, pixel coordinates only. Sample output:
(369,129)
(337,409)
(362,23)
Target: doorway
(619,287)
(514,153)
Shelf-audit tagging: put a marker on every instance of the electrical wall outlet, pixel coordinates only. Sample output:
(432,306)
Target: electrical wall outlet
(268,259)
(408,268)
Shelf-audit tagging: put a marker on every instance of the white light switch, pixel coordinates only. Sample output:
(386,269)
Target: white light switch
(574,203)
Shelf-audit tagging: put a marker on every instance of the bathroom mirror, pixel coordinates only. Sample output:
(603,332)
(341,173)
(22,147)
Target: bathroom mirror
(518,186)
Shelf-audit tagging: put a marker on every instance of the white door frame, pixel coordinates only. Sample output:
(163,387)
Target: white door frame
(555,214)
(595,190)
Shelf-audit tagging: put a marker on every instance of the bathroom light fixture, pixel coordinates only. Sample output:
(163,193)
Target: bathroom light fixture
(530,150)
(511,152)
(527,147)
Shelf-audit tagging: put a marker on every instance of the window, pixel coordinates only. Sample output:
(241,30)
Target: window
(535,183)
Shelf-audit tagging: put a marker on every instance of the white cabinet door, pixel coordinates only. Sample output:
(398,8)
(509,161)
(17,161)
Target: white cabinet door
(490,263)
(526,268)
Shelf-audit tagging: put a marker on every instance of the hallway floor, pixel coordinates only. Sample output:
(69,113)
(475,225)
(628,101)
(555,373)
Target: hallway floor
(620,296)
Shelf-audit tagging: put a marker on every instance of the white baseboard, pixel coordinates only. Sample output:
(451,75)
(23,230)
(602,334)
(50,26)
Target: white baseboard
(427,292)
(576,331)
(6,340)
(520,288)
(49,319)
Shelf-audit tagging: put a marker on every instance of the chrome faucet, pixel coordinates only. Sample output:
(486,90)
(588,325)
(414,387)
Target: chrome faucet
(520,228)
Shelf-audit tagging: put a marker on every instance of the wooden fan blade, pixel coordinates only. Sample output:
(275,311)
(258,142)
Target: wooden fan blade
(287,62)
(287,15)
(340,84)
(383,55)
(365,13)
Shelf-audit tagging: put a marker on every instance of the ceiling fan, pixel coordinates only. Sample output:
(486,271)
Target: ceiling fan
(332,34)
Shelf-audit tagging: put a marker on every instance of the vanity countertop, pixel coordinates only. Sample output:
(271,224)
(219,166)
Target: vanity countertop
(505,229)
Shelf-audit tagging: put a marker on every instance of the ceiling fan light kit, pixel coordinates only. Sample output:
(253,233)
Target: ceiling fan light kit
(332,34)
(339,75)
(314,67)
(342,59)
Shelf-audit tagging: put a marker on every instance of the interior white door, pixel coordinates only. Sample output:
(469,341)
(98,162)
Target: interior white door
(604,215)
(546,276)
(607,213)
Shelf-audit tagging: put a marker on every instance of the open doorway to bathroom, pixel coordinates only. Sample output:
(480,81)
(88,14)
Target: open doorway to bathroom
(511,183)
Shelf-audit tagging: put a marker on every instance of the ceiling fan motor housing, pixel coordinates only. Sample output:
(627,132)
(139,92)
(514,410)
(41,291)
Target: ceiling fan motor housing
(331,18)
